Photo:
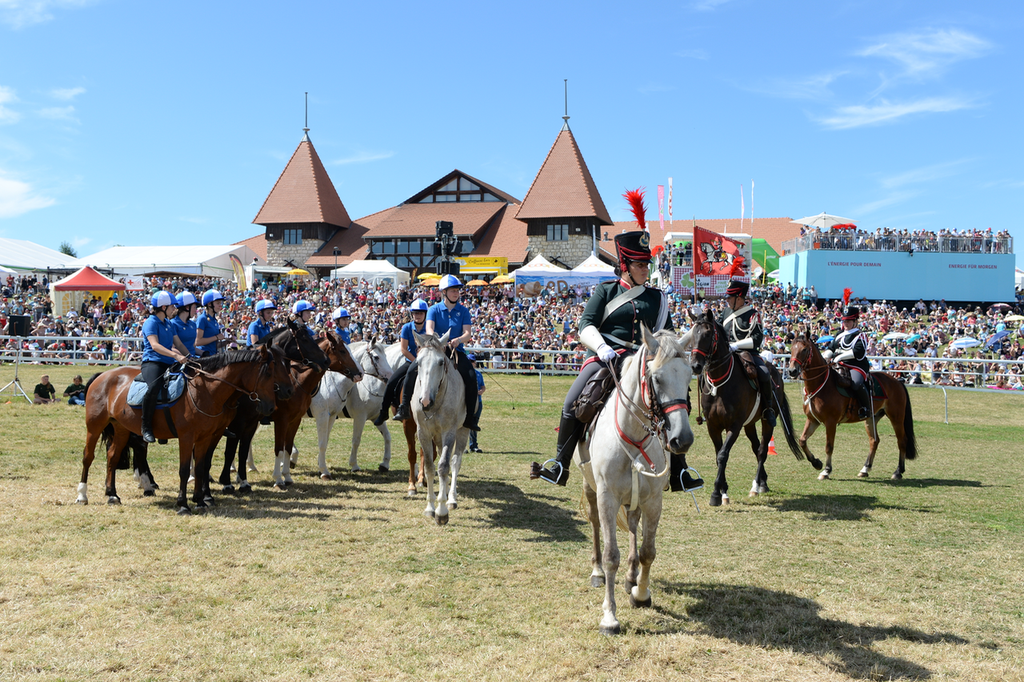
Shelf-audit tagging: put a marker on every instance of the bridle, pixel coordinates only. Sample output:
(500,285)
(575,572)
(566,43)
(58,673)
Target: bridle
(335,342)
(802,360)
(252,394)
(709,356)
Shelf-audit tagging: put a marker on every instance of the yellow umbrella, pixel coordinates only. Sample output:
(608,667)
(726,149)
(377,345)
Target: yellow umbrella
(432,282)
(298,271)
(428,275)
(476,283)
(502,279)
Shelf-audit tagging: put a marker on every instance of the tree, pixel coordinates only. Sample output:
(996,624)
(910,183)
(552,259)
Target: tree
(68,250)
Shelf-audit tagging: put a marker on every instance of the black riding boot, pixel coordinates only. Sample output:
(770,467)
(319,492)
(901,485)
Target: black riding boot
(767,399)
(569,431)
(864,398)
(148,409)
(679,477)
(403,413)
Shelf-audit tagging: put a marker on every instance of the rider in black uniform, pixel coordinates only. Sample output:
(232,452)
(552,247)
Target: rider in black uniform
(849,349)
(742,323)
(609,327)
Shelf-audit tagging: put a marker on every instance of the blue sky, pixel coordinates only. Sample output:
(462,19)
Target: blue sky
(127,122)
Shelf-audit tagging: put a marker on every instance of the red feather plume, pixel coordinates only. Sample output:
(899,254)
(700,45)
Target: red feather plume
(635,197)
(737,269)
(847,292)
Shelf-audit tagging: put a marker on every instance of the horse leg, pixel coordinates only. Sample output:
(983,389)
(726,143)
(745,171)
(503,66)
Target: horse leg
(117,444)
(901,440)
(409,427)
(244,445)
(722,449)
(809,428)
(202,494)
(92,437)
(870,426)
(596,568)
(184,468)
(444,472)
(640,596)
(428,470)
(324,425)
(830,443)
(760,448)
(608,508)
(633,556)
(142,471)
(230,447)
(385,465)
(282,473)
(357,438)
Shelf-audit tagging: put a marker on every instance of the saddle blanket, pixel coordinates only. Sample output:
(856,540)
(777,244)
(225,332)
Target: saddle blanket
(876,389)
(169,391)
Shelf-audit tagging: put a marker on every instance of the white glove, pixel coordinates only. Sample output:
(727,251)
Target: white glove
(734,347)
(827,355)
(606,352)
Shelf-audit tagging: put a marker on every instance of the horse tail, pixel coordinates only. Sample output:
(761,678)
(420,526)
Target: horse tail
(787,423)
(89,383)
(908,426)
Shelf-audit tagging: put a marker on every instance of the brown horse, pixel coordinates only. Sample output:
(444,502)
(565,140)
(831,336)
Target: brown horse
(824,404)
(214,388)
(412,442)
(729,403)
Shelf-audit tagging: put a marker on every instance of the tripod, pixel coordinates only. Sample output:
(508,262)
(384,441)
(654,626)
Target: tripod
(15,383)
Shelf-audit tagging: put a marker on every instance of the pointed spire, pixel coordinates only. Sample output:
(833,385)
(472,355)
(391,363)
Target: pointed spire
(565,126)
(304,193)
(305,129)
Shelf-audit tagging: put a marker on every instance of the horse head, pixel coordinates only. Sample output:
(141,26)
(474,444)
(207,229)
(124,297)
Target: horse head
(707,341)
(273,379)
(372,360)
(668,384)
(433,366)
(803,354)
(305,348)
(339,356)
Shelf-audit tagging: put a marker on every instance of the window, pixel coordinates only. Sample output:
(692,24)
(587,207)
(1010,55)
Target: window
(293,236)
(558,233)
(461,190)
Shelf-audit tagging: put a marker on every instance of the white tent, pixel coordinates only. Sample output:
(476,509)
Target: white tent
(23,256)
(372,271)
(594,265)
(214,261)
(1018,278)
(540,264)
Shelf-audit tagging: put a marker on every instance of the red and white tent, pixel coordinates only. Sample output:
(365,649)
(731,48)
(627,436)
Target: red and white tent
(69,293)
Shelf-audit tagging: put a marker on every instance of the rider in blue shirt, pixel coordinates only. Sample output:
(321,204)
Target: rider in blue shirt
(264,322)
(454,318)
(474,446)
(161,348)
(303,312)
(184,325)
(341,322)
(208,331)
(418,312)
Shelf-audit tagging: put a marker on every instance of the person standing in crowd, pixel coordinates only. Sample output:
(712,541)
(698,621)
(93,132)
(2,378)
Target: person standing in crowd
(184,326)
(161,348)
(264,322)
(452,318)
(341,322)
(75,392)
(418,313)
(742,324)
(208,332)
(611,327)
(474,446)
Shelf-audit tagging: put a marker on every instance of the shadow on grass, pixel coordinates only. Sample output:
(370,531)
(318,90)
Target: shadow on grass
(509,507)
(929,483)
(835,507)
(757,617)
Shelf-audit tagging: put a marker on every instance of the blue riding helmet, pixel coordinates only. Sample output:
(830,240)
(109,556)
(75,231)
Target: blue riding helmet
(211,296)
(186,298)
(265,304)
(162,298)
(301,306)
(471,357)
(339,313)
(448,281)
(419,304)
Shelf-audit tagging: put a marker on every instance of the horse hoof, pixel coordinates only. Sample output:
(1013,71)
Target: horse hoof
(897,476)
(113,499)
(862,474)
(441,520)
(356,468)
(428,514)
(753,493)
(382,469)
(611,629)
(716,500)
(184,511)
(410,493)
(824,476)
(636,604)
(762,489)
(725,499)
(325,477)
(148,493)
(244,488)
(82,502)
(228,489)
(453,505)
(597,581)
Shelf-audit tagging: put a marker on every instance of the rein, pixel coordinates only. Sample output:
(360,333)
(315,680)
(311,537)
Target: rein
(253,395)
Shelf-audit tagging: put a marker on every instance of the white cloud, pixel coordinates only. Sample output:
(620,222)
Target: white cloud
(17,197)
(693,53)
(79,242)
(65,94)
(886,112)
(921,175)
(20,14)
(926,54)
(893,198)
(59,113)
(363,157)
(6,114)
(812,87)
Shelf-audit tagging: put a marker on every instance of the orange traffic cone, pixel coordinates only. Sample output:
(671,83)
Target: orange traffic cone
(771,447)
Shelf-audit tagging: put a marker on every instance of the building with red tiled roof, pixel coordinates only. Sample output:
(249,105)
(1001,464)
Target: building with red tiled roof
(563,210)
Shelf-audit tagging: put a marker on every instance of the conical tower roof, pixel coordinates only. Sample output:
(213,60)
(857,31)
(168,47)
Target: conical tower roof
(563,187)
(304,193)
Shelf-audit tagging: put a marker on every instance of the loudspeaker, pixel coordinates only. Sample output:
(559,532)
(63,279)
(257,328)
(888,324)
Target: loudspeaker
(21,325)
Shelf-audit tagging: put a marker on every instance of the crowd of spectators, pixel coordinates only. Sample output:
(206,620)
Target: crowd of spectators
(887,239)
(531,327)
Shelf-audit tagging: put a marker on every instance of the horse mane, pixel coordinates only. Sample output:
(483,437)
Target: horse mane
(221,360)
(272,336)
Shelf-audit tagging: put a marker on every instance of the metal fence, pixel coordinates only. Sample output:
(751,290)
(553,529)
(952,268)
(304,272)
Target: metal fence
(868,241)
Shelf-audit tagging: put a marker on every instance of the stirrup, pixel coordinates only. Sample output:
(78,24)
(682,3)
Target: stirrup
(768,414)
(695,483)
(402,413)
(558,477)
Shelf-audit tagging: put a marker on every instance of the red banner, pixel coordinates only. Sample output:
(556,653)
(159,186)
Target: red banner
(714,254)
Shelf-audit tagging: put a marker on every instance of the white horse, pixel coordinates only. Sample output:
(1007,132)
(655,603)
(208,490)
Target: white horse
(439,410)
(625,464)
(340,396)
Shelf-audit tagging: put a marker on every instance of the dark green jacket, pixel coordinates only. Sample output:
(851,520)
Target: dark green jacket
(624,322)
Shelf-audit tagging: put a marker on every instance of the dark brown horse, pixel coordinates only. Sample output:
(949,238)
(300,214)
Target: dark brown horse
(824,404)
(287,416)
(214,388)
(731,404)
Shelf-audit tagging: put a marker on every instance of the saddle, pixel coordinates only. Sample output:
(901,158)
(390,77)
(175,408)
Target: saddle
(844,383)
(595,392)
(749,368)
(170,389)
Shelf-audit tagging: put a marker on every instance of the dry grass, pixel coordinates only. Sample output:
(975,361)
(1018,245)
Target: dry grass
(844,579)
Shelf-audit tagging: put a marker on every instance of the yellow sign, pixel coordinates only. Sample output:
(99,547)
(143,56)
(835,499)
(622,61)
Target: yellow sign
(483,264)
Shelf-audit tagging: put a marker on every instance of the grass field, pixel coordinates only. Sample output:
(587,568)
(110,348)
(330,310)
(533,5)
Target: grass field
(344,579)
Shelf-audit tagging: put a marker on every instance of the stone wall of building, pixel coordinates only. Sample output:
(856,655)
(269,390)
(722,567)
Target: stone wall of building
(571,252)
(280,254)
